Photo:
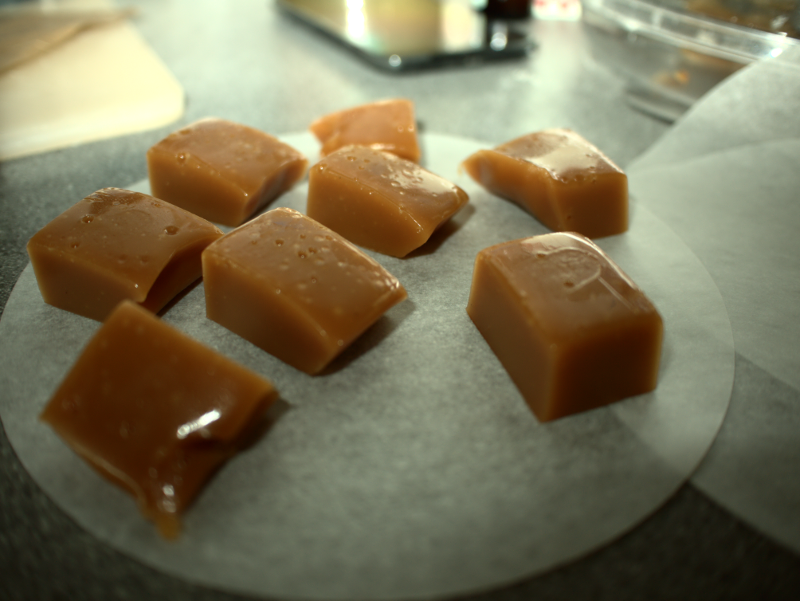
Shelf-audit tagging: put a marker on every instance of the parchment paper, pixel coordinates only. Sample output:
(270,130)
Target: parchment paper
(29,30)
(726,179)
(104,81)
(413,468)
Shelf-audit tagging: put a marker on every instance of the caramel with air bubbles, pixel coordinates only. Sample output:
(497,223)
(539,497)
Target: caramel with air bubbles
(114,245)
(380,201)
(221,170)
(295,288)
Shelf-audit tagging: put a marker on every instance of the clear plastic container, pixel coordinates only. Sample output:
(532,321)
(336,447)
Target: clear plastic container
(673,51)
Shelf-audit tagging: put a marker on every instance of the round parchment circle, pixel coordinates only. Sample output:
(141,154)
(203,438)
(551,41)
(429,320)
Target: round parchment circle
(413,468)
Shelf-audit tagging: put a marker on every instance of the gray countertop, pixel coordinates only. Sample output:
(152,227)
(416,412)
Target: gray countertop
(244,61)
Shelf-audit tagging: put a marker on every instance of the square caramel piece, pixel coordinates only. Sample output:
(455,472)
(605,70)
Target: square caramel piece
(386,125)
(570,328)
(380,201)
(295,288)
(114,245)
(155,411)
(559,177)
(222,171)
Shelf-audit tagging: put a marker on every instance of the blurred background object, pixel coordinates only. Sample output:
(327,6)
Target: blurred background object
(401,35)
(75,71)
(557,10)
(507,9)
(671,52)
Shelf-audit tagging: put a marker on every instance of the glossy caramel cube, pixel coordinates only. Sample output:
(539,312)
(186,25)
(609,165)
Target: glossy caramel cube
(386,125)
(156,412)
(115,245)
(295,288)
(570,328)
(380,201)
(564,181)
(222,171)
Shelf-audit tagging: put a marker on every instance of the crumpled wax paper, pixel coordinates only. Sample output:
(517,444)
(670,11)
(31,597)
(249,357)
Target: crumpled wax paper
(726,179)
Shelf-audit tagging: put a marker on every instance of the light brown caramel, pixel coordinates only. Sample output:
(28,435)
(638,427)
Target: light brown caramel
(386,125)
(380,201)
(564,181)
(115,245)
(295,288)
(155,411)
(222,171)
(572,330)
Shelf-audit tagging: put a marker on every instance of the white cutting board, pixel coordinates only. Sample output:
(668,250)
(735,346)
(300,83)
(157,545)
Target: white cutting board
(103,83)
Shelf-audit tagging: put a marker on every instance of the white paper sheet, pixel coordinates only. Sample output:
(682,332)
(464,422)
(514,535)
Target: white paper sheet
(726,178)
(414,469)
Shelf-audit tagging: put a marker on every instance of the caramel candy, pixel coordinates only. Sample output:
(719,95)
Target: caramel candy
(115,245)
(386,125)
(156,412)
(222,171)
(572,330)
(380,201)
(565,182)
(295,288)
